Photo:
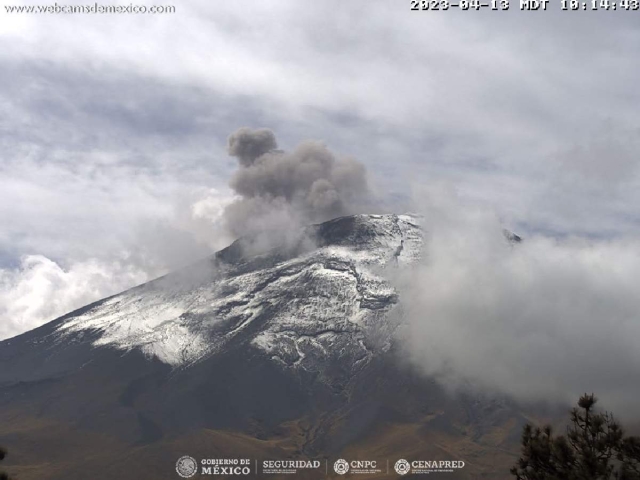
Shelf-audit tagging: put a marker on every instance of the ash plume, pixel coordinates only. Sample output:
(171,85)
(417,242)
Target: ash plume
(279,191)
(247,145)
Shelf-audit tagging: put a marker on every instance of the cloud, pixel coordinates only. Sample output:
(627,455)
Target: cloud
(542,320)
(41,290)
(402,104)
(111,223)
(111,145)
(280,190)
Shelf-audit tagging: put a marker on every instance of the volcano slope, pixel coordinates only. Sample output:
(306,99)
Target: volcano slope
(281,353)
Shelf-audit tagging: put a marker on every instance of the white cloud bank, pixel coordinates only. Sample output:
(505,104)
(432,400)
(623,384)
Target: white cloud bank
(74,237)
(41,290)
(544,319)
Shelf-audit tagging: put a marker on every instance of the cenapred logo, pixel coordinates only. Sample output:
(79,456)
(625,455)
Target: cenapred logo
(187,466)
(341,466)
(402,467)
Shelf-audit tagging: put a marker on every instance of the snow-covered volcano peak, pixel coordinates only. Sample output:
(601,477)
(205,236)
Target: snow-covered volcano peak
(321,297)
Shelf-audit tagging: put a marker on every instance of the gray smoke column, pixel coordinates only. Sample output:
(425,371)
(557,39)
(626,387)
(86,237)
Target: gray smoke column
(280,190)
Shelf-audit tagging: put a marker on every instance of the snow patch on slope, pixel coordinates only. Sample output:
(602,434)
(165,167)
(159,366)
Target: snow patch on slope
(325,304)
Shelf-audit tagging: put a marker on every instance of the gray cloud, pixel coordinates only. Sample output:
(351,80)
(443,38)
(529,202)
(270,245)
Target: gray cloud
(105,182)
(543,321)
(498,137)
(278,190)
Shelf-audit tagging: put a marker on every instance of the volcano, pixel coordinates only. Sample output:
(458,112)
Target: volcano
(286,352)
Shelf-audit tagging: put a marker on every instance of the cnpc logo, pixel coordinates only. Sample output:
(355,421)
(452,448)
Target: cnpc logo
(342,466)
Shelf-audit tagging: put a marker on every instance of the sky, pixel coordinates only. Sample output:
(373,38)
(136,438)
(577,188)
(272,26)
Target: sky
(114,166)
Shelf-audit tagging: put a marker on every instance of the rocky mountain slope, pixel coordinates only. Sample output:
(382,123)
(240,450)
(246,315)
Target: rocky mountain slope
(284,352)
